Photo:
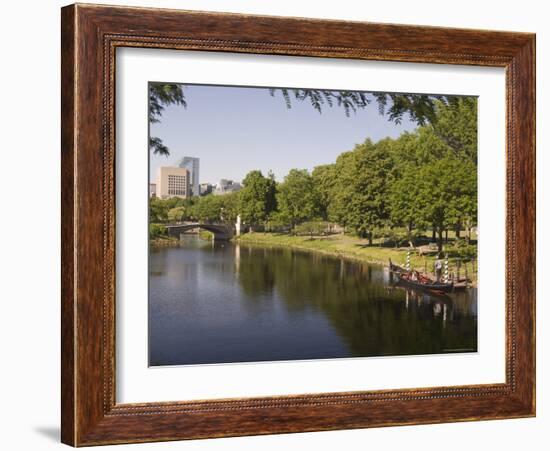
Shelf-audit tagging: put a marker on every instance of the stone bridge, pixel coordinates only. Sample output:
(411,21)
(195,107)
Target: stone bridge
(221,232)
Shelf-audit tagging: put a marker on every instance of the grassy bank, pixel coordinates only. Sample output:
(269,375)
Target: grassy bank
(167,240)
(343,246)
(340,245)
(164,241)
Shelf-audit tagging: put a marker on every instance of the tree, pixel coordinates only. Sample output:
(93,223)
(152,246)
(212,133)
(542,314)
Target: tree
(450,137)
(209,208)
(296,197)
(323,184)
(160,96)
(157,231)
(271,197)
(456,126)
(176,214)
(404,199)
(158,211)
(359,198)
(229,207)
(257,198)
(447,190)
(311,228)
(421,108)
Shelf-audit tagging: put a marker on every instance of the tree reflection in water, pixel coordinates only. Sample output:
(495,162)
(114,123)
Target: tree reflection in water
(255,303)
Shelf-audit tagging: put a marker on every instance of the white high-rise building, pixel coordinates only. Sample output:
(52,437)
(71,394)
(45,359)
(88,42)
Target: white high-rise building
(192,165)
(225,186)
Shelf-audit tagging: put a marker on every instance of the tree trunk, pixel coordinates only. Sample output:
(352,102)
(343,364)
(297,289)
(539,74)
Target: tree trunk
(370,238)
(440,240)
(457,231)
(446,236)
(433,234)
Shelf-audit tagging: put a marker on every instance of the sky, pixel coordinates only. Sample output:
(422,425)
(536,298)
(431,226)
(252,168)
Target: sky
(234,130)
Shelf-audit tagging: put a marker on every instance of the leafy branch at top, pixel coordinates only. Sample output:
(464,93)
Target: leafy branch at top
(422,109)
(160,96)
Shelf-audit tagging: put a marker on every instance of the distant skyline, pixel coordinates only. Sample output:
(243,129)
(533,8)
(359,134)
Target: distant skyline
(234,130)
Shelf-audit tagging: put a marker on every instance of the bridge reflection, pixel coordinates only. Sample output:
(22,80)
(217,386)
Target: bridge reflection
(221,232)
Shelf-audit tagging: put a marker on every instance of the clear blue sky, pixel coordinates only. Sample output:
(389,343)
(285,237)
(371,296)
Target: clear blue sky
(234,130)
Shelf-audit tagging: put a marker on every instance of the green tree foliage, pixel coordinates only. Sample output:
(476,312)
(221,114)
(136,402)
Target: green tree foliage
(176,214)
(436,178)
(422,179)
(359,195)
(160,96)
(257,198)
(209,208)
(312,228)
(421,108)
(324,178)
(157,231)
(158,211)
(296,197)
(404,198)
(447,191)
(456,126)
(229,207)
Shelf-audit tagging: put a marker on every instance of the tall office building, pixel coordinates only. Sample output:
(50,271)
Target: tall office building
(192,165)
(172,182)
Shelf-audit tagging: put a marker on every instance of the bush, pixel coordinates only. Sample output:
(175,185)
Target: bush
(462,249)
(312,228)
(276,223)
(157,231)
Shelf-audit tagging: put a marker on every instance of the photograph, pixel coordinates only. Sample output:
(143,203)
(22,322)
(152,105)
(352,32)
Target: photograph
(291,223)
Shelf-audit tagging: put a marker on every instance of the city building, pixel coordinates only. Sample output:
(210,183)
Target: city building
(152,190)
(192,165)
(205,188)
(172,182)
(225,186)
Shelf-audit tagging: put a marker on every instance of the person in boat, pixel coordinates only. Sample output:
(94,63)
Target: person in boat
(438,268)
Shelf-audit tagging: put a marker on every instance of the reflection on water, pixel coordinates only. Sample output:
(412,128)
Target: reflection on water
(217,303)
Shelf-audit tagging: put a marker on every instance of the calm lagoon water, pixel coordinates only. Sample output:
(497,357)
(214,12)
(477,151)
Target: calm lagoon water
(225,302)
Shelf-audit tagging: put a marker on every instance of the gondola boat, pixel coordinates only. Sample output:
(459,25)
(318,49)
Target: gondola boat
(424,283)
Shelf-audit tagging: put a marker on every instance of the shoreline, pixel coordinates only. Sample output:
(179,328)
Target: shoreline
(338,246)
(334,247)
(164,242)
(330,253)
(345,247)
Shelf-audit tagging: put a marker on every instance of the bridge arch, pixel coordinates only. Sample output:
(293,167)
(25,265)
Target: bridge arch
(221,232)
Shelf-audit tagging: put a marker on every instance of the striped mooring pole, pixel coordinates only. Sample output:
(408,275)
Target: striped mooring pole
(408,264)
(446,268)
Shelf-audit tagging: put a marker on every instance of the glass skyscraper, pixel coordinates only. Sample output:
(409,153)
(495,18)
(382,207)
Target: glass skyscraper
(192,165)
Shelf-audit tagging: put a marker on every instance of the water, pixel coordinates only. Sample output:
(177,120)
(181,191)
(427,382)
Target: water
(219,303)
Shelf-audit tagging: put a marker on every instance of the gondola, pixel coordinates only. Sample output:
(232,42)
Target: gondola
(424,283)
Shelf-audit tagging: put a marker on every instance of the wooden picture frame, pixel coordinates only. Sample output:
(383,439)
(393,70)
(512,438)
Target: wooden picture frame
(90,36)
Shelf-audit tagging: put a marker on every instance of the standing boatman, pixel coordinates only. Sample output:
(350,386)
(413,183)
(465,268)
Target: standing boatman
(438,267)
